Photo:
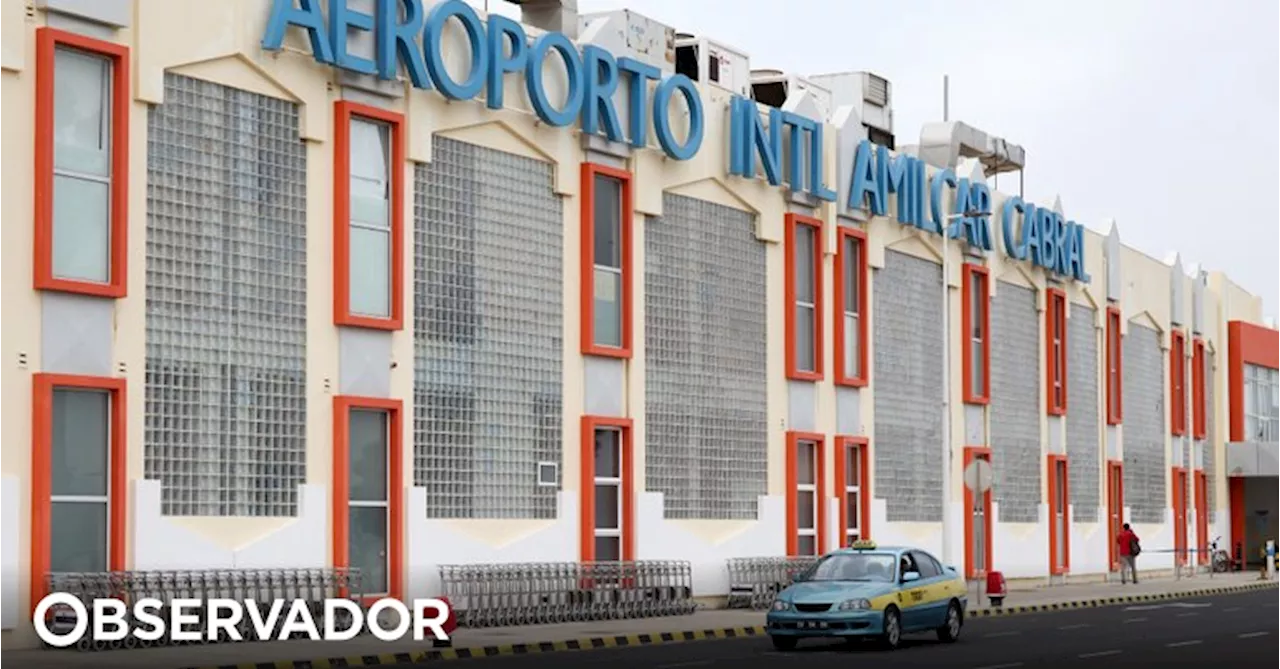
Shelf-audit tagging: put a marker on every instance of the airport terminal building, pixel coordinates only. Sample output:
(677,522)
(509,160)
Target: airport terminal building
(393,290)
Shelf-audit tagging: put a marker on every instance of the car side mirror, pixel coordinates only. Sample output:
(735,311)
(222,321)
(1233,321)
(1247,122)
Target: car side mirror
(911,576)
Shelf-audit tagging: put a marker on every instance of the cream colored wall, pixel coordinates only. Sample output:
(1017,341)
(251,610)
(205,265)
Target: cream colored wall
(19,305)
(228,52)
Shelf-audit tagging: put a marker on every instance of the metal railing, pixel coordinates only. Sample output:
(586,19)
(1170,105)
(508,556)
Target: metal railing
(755,582)
(258,585)
(534,593)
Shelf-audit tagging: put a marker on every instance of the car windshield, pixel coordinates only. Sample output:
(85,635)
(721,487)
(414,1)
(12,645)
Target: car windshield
(870,567)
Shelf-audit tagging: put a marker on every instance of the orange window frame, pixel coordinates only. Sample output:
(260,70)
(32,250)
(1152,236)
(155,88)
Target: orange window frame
(792,475)
(343,113)
(47,42)
(1247,344)
(43,386)
(587,487)
(1115,368)
(1198,407)
(1115,508)
(342,407)
(1055,497)
(792,222)
(587,260)
(843,445)
(844,234)
(1202,517)
(1179,477)
(1055,351)
(970,274)
(1178,383)
(972,453)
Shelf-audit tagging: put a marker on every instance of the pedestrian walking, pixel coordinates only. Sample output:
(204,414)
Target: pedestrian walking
(1127,547)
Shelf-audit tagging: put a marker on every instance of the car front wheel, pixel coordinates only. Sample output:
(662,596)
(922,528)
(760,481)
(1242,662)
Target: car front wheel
(891,637)
(950,630)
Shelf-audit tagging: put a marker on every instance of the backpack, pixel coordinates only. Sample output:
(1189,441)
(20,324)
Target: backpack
(1134,547)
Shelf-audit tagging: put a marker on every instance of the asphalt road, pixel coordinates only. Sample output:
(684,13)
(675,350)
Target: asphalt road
(1221,632)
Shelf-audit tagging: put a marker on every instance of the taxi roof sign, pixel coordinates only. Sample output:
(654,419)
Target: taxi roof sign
(863,544)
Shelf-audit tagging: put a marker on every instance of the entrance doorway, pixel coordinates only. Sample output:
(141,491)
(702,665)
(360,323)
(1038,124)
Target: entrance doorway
(1254,515)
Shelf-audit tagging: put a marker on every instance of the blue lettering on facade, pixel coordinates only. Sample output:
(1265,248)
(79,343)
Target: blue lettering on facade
(876,174)
(408,38)
(749,139)
(1045,238)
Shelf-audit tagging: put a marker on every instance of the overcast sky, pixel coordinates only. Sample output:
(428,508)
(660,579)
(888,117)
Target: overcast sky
(1162,114)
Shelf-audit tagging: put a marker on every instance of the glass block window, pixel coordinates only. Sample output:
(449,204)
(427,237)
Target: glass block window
(1017,461)
(906,297)
(705,318)
(225,301)
(1084,445)
(1146,463)
(488,332)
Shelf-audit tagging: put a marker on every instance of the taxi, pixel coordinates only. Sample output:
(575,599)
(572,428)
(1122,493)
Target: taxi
(870,592)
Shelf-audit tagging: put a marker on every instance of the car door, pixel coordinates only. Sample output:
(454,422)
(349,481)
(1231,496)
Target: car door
(914,594)
(932,608)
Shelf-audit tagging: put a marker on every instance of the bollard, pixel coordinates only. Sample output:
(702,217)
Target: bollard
(1271,559)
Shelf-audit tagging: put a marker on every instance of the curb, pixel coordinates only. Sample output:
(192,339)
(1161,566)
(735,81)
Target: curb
(628,640)
(1005,611)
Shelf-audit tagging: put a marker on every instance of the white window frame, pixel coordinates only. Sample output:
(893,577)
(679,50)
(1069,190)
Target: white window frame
(1178,384)
(977,344)
(104,500)
(810,306)
(384,503)
(1059,515)
(852,488)
(599,268)
(610,482)
(852,317)
(978,538)
(106,132)
(1261,390)
(1115,377)
(809,489)
(386,134)
(1059,315)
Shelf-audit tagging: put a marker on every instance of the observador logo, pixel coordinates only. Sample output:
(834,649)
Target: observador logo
(61,619)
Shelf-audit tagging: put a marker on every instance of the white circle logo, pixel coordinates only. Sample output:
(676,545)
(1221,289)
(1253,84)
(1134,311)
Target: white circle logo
(42,625)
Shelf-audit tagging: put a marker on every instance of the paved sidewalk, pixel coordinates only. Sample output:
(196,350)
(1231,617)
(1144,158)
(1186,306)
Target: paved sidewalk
(468,643)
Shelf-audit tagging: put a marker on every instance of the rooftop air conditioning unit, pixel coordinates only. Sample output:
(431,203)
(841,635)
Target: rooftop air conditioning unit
(709,62)
(774,87)
(547,15)
(626,33)
(871,94)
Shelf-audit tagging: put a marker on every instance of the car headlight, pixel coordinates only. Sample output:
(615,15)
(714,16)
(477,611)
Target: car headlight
(854,604)
(779,605)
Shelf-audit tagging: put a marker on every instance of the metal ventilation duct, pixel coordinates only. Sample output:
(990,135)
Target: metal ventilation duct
(944,144)
(551,15)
